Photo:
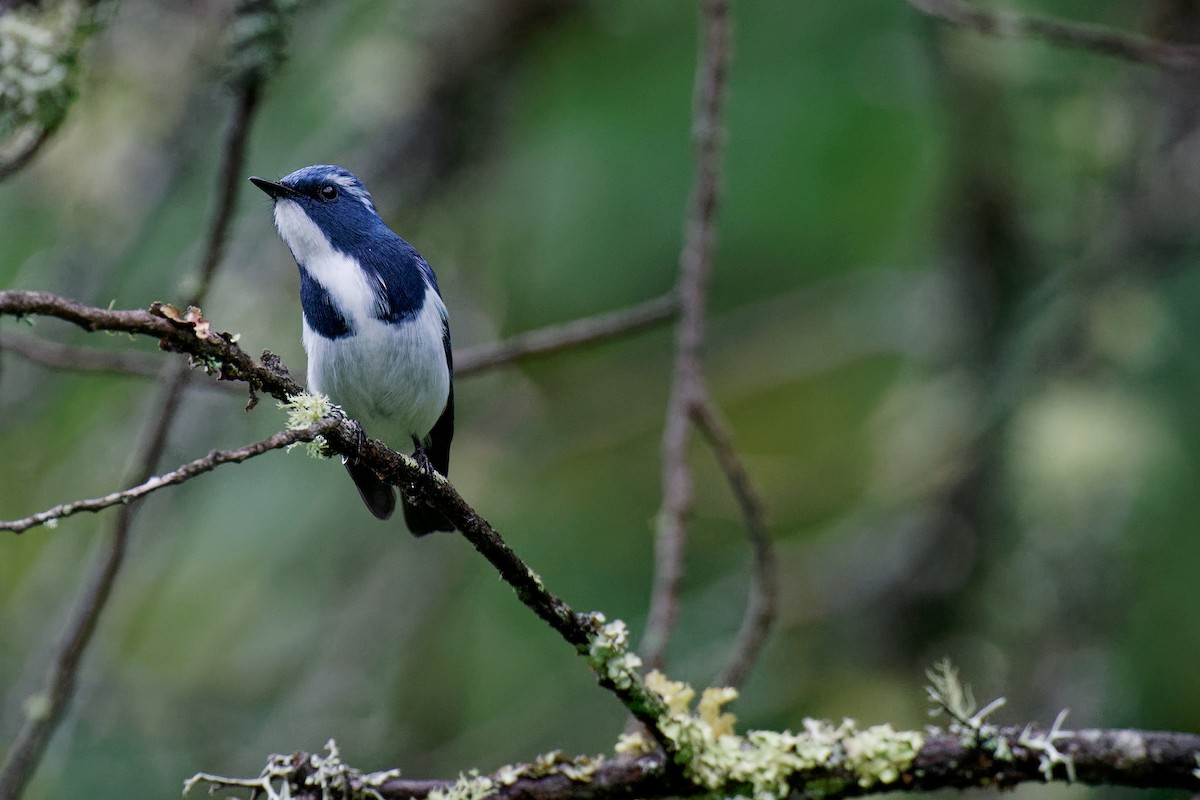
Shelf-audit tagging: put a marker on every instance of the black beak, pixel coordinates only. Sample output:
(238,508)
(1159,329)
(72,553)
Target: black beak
(274,190)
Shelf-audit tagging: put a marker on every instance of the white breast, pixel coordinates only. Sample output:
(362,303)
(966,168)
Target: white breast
(391,377)
(347,285)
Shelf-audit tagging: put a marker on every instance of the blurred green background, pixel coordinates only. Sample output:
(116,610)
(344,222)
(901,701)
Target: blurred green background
(953,330)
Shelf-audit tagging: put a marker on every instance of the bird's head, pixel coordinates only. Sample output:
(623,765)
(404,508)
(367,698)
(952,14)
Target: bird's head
(321,202)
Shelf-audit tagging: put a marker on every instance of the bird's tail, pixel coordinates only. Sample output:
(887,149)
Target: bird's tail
(380,499)
(423,519)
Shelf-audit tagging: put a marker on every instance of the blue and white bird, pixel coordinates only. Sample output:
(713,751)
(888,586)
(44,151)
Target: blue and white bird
(375,328)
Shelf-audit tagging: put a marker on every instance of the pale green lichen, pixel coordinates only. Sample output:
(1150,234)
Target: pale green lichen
(207,362)
(1000,749)
(634,744)
(579,769)
(951,696)
(336,779)
(305,410)
(537,579)
(39,45)
(609,655)
(761,763)
(1049,755)
(469,786)
(880,753)
(327,774)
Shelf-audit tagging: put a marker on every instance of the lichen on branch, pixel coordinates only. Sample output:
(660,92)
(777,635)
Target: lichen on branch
(39,57)
(763,764)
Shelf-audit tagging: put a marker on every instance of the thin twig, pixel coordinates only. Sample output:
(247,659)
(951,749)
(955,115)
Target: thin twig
(1092,38)
(760,606)
(568,335)
(176,476)
(61,674)
(695,270)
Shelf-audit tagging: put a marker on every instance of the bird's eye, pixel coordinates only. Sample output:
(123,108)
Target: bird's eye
(328,192)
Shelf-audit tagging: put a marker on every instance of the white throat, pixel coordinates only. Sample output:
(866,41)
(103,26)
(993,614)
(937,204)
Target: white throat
(347,284)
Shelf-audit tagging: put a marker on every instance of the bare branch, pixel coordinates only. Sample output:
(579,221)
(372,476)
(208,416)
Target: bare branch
(760,607)
(695,270)
(1092,38)
(78,358)
(556,338)
(81,359)
(176,476)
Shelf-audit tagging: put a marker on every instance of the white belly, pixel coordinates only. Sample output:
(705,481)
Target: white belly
(391,378)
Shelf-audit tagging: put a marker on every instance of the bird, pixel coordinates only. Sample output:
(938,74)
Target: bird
(375,329)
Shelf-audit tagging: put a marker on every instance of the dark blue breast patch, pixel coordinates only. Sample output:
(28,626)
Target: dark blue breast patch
(319,311)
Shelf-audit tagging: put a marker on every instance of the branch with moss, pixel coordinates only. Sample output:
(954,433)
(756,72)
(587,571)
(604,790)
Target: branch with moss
(604,644)
(468,362)
(701,752)
(847,761)
(820,760)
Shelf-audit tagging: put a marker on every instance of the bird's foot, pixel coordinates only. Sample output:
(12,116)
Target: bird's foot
(422,458)
(358,440)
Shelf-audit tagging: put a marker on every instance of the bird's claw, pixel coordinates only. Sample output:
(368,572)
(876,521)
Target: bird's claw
(422,459)
(358,439)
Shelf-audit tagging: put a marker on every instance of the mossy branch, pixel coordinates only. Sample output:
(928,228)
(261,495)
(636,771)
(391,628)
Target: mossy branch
(819,762)
(604,644)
